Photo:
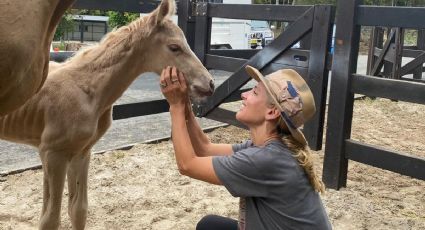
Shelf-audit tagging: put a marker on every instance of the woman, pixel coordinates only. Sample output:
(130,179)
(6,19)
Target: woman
(273,172)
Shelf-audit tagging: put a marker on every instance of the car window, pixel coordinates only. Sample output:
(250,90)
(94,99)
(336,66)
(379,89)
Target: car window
(259,24)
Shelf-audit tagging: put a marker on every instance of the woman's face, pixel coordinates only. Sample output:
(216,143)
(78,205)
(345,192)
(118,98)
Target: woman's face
(254,106)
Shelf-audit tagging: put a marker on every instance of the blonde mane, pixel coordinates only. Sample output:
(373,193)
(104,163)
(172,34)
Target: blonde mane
(118,37)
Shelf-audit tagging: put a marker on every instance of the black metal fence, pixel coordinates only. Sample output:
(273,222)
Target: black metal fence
(351,15)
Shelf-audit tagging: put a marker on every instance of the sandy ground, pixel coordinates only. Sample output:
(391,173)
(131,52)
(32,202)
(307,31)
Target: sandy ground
(141,188)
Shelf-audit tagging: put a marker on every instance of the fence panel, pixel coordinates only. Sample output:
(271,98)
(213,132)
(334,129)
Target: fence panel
(345,82)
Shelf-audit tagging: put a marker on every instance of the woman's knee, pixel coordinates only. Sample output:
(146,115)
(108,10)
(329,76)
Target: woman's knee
(211,222)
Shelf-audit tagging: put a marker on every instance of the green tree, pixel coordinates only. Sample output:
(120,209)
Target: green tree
(118,19)
(66,24)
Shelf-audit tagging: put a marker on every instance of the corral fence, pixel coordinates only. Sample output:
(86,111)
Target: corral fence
(313,26)
(310,61)
(345,83)
(385,58)
(195,17)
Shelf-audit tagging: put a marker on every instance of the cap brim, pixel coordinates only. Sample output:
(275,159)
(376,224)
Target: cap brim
(256,75)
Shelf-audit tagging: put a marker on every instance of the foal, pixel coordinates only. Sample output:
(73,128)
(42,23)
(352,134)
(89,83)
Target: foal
(73,108)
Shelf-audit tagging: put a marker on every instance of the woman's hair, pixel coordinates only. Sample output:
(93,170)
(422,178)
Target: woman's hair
(301,152)
(303,155)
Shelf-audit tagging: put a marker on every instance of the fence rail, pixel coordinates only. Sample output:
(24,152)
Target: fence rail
(256,12)
(406,17)
(388,88)
(374,155)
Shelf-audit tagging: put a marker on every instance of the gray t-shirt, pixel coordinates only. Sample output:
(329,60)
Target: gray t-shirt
(274,189)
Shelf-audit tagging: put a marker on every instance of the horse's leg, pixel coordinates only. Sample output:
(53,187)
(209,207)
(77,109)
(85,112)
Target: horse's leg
(77,187)
(46,193)
(54,167)
(78,173)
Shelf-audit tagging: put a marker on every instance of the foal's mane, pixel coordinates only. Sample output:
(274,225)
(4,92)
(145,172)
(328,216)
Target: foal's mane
(118,40)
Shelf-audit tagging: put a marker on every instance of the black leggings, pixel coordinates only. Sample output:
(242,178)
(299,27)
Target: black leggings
(213,222)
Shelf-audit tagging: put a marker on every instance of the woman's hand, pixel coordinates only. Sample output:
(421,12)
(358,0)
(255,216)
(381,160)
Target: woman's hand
(173,86)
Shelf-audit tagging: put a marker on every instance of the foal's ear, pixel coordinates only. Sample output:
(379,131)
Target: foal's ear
(166,9)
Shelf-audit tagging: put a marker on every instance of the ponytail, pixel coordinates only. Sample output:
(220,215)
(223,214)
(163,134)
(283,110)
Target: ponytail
(303,155)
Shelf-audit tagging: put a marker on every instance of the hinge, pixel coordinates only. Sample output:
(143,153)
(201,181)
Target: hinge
(199,8)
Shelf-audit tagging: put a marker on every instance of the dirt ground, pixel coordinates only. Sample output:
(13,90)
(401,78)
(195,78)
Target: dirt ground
(141,188)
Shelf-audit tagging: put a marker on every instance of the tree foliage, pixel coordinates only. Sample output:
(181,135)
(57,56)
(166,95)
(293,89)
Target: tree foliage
(66,24)
(118,19)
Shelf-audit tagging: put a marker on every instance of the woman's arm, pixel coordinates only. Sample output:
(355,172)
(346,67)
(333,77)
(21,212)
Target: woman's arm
(174,88)
(189,164)
(200,141)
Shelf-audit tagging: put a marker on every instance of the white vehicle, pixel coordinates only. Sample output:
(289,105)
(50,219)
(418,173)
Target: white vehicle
(239,34)
(230,33)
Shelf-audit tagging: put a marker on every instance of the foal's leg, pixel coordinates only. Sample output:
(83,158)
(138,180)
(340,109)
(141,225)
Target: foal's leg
(77,187)
(54,167)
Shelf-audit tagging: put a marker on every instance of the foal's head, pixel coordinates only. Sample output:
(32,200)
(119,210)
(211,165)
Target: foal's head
(166,45)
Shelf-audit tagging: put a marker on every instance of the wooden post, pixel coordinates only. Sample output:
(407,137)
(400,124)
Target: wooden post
(202,30)
(341,99)
(388,65)
(376,41)
(398,43)
(318,73)
(420,42)
(186,21)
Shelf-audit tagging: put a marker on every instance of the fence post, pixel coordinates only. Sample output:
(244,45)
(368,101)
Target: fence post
(186,21)
(341,99)
(398,42)
(386,72)
(376,41)
(420,42)
(318,73)
(202,30)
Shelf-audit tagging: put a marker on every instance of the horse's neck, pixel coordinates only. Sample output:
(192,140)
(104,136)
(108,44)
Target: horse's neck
(108,73)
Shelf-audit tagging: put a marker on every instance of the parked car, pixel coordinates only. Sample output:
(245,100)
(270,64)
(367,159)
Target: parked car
(260,34)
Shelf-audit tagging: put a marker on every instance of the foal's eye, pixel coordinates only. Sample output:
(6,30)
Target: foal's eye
(174,48)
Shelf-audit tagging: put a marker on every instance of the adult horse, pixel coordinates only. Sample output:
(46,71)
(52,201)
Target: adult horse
(26,31)
(73,108)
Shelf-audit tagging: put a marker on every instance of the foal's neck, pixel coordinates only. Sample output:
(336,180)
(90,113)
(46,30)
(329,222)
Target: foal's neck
(108,69)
